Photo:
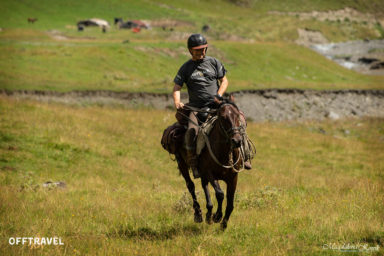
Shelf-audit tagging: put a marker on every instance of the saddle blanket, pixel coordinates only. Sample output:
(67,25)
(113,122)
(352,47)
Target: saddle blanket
(205,130)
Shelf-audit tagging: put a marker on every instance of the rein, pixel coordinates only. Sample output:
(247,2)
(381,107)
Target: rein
(217,161)
(199,109)
(231,131)
(228,133)
(193,109)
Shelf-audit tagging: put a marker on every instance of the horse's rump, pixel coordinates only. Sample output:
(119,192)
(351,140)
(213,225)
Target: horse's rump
(173,137)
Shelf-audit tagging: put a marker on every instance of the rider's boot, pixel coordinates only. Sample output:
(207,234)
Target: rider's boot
(190,136)
(247,165)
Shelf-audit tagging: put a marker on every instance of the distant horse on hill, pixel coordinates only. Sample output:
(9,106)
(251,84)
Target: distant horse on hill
(32,20)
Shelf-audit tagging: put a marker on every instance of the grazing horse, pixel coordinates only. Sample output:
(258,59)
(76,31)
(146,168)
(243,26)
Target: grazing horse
(118,20)
(219,160)
(32,20)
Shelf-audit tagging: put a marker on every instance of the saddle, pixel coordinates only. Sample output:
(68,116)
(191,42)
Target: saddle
(183,113)
(173,137)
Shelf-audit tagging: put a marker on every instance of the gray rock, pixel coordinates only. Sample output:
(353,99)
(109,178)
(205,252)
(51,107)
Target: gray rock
(50,184)
(333,115)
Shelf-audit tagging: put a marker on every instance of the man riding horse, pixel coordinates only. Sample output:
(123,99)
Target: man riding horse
(206,80)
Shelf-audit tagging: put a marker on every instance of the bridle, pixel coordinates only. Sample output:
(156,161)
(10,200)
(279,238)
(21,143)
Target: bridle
(229,133)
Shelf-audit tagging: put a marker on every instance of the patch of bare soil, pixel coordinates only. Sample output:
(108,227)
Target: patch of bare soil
(57,35)
(232,37)
(337,15)
(258,105)
(309,37)
(174,52)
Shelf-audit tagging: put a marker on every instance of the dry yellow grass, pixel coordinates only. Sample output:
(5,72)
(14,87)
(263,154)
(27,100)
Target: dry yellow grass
(313,183)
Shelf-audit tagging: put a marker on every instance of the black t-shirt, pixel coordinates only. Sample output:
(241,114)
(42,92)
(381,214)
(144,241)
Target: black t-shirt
(201,78)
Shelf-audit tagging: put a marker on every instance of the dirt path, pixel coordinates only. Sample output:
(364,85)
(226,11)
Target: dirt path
(258,105)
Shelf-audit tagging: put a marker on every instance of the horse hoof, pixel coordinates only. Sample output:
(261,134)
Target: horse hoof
(223,225)
(209,220)
(217,217)
(198,218)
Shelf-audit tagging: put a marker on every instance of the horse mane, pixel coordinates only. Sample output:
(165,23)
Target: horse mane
(227,102)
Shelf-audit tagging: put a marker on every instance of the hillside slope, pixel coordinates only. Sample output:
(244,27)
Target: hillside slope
(254,39)
(248,18)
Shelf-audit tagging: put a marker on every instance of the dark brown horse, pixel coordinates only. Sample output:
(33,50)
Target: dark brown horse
(32,20)
(219,160)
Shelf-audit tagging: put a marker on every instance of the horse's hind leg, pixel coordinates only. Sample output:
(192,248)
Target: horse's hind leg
(231,188)
(204,184)
(191,188)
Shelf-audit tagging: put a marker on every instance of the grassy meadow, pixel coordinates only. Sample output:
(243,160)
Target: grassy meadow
(255,46)
(245,18)
(42,63)
(313,183)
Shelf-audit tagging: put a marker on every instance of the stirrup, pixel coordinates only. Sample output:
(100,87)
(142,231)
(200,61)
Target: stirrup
(195,172)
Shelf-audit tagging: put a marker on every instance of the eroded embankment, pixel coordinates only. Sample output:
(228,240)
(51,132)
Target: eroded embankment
(258,105)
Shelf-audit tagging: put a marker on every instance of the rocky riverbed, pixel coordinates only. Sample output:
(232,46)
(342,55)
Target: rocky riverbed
(280,105)
(365,56)
(258,105)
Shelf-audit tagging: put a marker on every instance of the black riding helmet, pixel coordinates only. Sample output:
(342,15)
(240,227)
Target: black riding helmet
(197,41)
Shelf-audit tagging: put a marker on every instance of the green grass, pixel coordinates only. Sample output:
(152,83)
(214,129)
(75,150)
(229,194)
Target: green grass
(256,47)
(61,13)
(91,65)
(142,65)
(250,21)
(124,195)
